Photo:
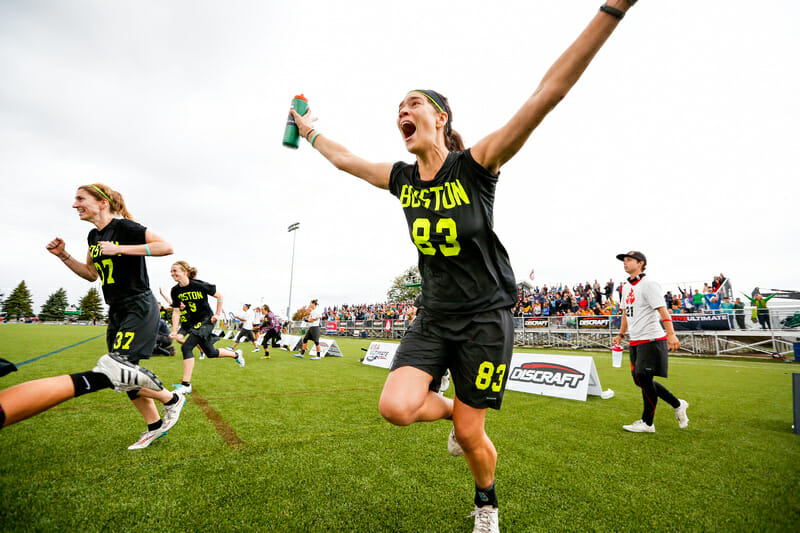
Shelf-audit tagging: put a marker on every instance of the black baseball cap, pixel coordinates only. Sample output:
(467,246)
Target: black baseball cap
(639,256)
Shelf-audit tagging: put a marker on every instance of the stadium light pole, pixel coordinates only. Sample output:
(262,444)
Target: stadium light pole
(292,229)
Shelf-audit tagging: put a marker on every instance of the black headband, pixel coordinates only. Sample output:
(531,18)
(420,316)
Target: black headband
(439,101)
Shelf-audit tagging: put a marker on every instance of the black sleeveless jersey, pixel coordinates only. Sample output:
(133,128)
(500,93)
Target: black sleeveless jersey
(122,275)
(464,266)
(195,299)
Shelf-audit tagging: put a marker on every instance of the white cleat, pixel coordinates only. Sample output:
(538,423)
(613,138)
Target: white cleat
(640,427)
(487,519)
(239,358)
(147,438)
(452,444)
(680,414)
(124,375)
(173,412)
(444,383)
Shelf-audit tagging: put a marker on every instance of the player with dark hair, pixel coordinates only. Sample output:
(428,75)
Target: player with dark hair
(117,250)
(312,333)
(447,195)
(191,295)
(270,330)
(644,313)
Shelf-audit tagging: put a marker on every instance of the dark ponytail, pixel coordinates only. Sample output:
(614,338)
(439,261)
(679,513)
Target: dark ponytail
(452,141)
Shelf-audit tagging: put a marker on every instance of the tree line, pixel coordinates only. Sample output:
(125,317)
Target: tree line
(19,305)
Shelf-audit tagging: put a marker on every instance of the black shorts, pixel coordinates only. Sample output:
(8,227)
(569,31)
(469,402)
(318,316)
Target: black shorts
(650,358)
(247,334)
(200,336)
(477,349)
(133,327)
(312,334)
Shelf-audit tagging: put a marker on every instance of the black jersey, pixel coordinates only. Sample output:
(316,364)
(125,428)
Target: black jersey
(122,275)
(195,300)
(464,266)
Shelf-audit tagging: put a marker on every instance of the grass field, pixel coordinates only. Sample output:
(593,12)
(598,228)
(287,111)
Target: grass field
(298,445)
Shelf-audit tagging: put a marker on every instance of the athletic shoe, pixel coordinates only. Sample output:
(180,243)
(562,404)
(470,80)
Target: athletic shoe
(172,412)
(487,519)
(317,358)
(298,355)
(202,355)
(239,358)
(183,389)
(445,383)
(680,414)
(452,444)
(124,375)
(265,356)
(254,351)
(640,427)
(147,438)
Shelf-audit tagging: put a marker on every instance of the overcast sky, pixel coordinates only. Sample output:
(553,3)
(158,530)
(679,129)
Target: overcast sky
(681,139)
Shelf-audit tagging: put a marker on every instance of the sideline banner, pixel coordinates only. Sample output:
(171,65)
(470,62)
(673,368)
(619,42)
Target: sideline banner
(571,377)
(381,354)
(700,322)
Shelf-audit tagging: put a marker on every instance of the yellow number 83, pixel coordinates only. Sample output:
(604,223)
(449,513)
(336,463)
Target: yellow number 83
(486,373)
(421,233)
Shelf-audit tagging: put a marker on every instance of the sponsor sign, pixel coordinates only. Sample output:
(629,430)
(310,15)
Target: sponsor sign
(330,327)
(563,376)
(327,348)
(293,342)
(536,322)
(700,322)
(595,322)
(381,354)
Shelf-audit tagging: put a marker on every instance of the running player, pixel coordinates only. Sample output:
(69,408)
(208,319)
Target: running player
(644,313)
(270,330)
(117,250)
(193,295)
(468,287)
(312,333)
(246,333)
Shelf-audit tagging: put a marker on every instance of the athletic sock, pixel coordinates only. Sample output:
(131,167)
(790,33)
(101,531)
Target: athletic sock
(173,400)
(186,384)
(155,425)
(484,497)
(86,382)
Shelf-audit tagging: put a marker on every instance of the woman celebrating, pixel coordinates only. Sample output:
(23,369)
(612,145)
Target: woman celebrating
(191,295)
(117,248)
(447,195)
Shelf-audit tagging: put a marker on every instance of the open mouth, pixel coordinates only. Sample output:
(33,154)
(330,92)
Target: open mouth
(408,129)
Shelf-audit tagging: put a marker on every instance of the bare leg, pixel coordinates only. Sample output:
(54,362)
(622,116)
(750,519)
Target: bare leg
(188,368)
(479,451)
(406,399)
(33,397)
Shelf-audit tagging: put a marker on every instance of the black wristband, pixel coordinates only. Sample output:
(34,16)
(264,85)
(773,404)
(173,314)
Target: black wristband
(631,2)
(613,11)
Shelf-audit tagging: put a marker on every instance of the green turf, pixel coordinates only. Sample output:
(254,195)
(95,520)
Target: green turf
(315,454)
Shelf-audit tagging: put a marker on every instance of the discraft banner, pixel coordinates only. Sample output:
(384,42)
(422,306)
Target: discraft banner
(564,376)
(381,354)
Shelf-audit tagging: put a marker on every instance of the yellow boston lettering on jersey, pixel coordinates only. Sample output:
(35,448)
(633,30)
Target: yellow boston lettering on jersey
(447,196)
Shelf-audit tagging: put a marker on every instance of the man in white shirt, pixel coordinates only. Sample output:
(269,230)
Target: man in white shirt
(645,314)
(247,318)
(312,329)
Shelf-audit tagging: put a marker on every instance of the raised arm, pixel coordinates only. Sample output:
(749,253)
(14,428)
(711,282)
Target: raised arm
(376,174)
(218,312)
(494,150)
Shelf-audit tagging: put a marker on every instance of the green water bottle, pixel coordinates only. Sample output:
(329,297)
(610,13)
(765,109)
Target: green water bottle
(291,135)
